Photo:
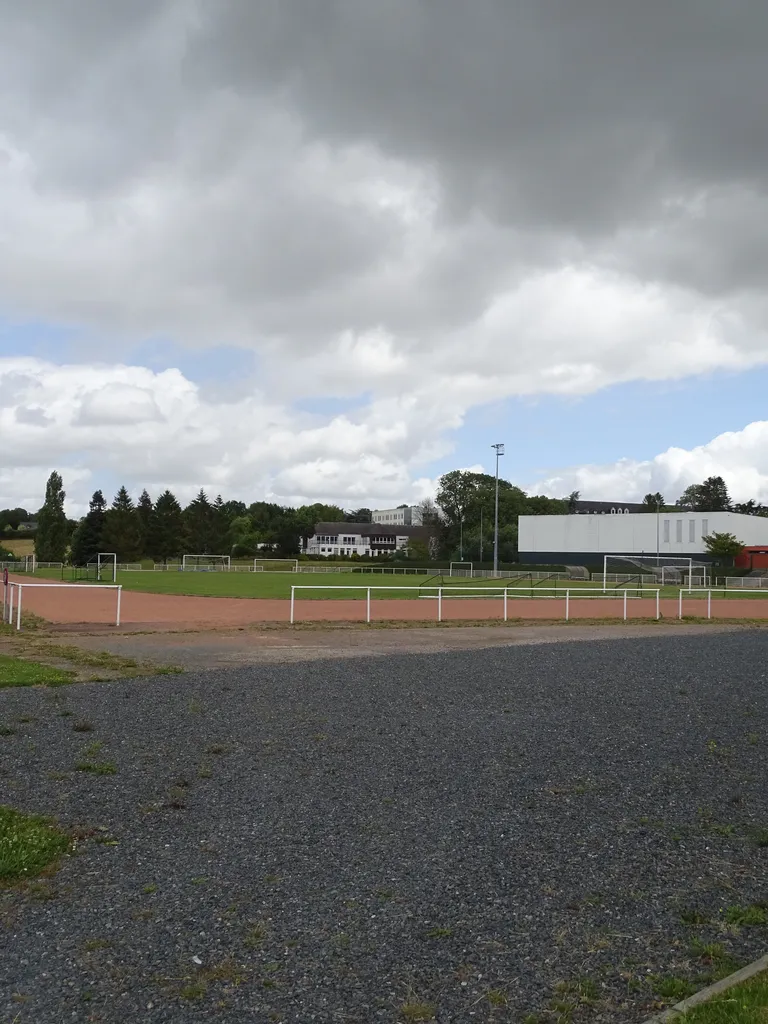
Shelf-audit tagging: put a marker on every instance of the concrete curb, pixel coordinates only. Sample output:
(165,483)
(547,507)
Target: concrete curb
(674,1012)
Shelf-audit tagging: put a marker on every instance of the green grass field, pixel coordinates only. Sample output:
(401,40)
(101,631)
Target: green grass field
(278,585)
(743,1004)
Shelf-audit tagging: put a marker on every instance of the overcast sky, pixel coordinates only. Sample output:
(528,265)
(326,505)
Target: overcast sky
(328,249)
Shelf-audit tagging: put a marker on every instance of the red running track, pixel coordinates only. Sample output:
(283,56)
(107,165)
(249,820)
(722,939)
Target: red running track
(87,606)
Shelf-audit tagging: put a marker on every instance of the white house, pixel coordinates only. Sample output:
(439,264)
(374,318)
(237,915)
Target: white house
(584,539)
(368,539)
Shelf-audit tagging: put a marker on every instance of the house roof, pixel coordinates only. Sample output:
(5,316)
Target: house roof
(372,530)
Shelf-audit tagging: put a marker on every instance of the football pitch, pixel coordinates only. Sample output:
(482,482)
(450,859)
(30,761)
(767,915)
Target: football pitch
(344,585)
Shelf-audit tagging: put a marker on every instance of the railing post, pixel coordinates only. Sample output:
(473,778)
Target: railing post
(368,606)
(293,602)
(18,609)
(10,602)
(505,604)
(567,605)
(680,605)
(625,603)
(709,604)
(119,595)
(658,605)
(439,604)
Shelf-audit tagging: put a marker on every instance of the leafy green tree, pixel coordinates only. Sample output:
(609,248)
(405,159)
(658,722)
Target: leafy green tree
(653,502)
(359,515)
(751,508)
(122,529)
(572,499)
(709,496)
(145,512)
(219,528)
(723,545)
(418,550)
(166,538)
(52,528)
(86,540)
(11,518)
(199,527)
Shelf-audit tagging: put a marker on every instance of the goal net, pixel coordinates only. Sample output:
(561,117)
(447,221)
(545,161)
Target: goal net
(663,570)
(275,564)
(461,569)
(205,563)
(102,568)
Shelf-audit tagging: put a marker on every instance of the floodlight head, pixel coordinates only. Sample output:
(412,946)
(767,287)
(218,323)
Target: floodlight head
(499,448)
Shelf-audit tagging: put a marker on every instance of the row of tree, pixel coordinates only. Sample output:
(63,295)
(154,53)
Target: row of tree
(711,495)
(462,517)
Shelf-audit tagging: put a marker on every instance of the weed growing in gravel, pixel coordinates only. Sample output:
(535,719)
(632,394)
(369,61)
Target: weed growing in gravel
(693,917)
(6,730)
(217,748)
(149,889)
(28,844)
(226,971)
(440,933)
(82,727)
(93,749)
(671,988)
(418,1011)
(760,837)
(256,934)
(91,945)
(752,739)
(97,767)
(746,916)
(496,997)
(204,771)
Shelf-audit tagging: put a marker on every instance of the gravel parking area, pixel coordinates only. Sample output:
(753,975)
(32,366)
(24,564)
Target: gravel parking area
(558,831)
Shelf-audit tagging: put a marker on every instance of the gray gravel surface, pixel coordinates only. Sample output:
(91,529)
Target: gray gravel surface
(496,833)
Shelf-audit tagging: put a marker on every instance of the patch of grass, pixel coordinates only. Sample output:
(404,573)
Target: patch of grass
(149,889)
(256,934)
(418,1011)
(671,988)
(760,837)
(743,1004)
(97,767)
(18,672)
(690,916)
(91,945)
(496,997)
(440,933)
(746,916)
(6,730)
(28,844)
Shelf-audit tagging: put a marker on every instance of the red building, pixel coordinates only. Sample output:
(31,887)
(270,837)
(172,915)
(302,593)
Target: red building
(752,558)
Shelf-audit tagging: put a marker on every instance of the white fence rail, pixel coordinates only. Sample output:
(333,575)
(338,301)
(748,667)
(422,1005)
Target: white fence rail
(503,594)
(746,582)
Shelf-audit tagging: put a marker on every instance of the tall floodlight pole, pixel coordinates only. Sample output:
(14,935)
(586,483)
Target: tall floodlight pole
(499,451)
(461,539)
(481,536)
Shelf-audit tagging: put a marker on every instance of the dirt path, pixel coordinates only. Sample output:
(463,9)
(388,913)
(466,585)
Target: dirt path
(220,648)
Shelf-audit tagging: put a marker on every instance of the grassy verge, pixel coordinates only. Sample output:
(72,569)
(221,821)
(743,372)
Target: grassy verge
(19,672)
(744,1004)
(28,844)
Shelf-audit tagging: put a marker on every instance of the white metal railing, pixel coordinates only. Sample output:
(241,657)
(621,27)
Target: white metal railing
(507,574)
(21,566)
(501,593)
(8,604)
(746,582)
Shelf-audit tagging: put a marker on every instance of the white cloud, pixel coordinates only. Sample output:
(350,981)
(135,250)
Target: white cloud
(740,457)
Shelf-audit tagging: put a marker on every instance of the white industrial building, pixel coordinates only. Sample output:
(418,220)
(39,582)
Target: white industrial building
(406,515)
(584,539)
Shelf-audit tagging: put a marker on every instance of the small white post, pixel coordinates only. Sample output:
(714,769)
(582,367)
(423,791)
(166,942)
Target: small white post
(567,605)
(10,604)
(709,604)
(18,609)
(439,604)
(293,602)
(605,572)
(505,604)
(117,617)
(658,605)
(368,606)
(680,605)
(625,603)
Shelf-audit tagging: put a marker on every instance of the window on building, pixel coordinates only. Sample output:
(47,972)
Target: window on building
(679,531)
(666,531)
(704,527)
(691,531)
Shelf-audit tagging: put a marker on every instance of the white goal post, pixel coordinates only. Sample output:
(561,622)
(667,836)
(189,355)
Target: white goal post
(205,563)
(674,570)
(104,558)
(275,565)
(461,569)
